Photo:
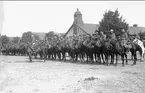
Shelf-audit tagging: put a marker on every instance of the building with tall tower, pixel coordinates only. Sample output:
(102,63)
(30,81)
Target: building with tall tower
(79,27)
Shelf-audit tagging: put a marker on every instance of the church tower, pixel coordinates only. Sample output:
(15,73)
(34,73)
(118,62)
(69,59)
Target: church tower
(77,20)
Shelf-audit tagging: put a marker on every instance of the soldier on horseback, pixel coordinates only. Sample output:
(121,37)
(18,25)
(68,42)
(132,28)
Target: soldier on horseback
(102,36)
(74,42)
(87,40)
(112,37)
(124,38)
(96,36)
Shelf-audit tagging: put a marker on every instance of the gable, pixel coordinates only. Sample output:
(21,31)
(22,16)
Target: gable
(80,30)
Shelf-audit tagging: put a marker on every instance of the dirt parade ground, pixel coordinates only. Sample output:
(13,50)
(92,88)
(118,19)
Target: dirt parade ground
(17,75)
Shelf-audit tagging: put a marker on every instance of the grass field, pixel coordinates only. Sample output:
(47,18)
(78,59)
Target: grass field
(17,75)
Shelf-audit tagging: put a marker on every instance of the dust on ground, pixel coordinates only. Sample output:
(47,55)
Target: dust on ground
(17,75)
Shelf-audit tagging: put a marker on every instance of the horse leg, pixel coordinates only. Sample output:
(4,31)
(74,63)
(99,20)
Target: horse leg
(30,57)
(132,56)
(76,59)
(59,55)
(106,58)
(95,55)
(116,59)
(122,57)
(87,58)
(126,58)
(55,55)
(73,56)
(83,55)
(142,54)
(99,58)
(92,61)
(103,58)
(135,58)
(35,54)
(45,56)
(112,59)
(63,54)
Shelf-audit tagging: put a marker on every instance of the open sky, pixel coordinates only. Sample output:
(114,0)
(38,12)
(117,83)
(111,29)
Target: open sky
(57,16)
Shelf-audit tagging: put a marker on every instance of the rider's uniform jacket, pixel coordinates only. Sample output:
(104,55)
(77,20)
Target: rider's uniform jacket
(103,37)
(124,35)
(112,36)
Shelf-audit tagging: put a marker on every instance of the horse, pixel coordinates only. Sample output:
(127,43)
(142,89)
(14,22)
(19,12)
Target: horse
(97,50)
(122,50)
(106,51)
(141,45)
(134,47)
(113,47)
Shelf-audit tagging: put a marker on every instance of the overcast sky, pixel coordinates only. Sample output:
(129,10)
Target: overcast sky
(44,16)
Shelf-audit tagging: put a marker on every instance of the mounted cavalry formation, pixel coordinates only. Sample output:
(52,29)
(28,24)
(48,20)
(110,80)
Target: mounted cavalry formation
(98,48)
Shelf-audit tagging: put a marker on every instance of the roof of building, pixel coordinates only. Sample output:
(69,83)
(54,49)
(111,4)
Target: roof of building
(90,28)
(136,30)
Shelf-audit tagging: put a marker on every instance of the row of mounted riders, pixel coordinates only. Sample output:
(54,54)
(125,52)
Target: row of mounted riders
(87,50)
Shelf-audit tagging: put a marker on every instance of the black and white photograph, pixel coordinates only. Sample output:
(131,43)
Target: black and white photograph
(72,46)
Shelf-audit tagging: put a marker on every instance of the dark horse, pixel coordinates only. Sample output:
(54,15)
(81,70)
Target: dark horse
(106,51)
(114,48)
(122,50)
(133,49)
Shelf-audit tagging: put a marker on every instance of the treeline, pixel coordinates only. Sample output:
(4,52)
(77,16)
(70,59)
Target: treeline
(13,45)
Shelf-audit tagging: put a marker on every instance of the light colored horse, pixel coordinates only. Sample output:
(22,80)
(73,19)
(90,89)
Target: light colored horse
(140,43)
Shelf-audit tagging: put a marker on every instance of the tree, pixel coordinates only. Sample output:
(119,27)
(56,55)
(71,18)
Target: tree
(49,36)
(27,37)
(15,40)
(112,20)
(4,40)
